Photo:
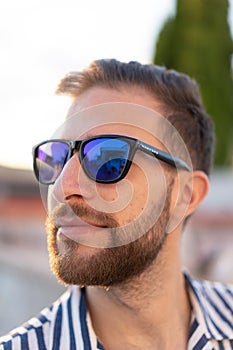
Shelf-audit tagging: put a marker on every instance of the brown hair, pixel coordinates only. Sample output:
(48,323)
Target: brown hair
(178,93)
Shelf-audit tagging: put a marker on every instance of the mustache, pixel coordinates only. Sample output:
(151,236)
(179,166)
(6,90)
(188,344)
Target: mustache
(85,213)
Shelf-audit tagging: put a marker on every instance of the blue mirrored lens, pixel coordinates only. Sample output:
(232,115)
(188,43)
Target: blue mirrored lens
(51,158)
(105,159)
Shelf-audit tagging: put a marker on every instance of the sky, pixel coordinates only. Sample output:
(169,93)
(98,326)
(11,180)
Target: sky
(42,40)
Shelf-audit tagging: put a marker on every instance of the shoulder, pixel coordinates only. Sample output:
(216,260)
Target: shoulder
(28,335)
(212,304)
(34,334)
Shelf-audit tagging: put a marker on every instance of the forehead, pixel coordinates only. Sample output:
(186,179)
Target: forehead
(98,95)
(128,111)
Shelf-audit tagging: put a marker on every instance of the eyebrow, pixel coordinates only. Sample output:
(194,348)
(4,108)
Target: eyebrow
(86,136)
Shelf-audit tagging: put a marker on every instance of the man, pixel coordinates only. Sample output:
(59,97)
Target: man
(125,171)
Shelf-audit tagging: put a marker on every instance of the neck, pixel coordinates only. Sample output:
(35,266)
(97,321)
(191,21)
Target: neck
(150,311)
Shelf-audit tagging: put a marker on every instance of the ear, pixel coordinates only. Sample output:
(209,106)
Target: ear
(199,190)
(188,193)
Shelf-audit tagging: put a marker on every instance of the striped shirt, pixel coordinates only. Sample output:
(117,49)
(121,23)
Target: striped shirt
(59,328)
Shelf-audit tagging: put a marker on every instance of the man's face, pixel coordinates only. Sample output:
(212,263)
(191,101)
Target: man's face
(122,226)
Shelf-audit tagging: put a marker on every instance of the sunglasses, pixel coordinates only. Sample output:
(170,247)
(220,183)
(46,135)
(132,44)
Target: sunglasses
(104,158)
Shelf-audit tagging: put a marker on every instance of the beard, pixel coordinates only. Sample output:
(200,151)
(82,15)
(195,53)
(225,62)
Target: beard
(77,264)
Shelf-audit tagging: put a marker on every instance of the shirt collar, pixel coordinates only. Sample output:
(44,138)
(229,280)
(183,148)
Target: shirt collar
(211,304)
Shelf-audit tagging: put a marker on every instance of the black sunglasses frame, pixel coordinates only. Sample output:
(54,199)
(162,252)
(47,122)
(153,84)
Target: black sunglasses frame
(135,144)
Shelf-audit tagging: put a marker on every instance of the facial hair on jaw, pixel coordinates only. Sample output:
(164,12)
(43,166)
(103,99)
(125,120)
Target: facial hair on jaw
(106,266)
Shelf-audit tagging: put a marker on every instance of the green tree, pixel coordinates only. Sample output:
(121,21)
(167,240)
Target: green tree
(197,41)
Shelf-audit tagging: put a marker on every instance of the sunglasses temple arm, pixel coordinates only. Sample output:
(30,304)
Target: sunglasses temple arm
(164,156)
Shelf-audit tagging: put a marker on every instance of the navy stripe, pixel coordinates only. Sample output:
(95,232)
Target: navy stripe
(220,331)
(99,346)
(83,322)
(57,329)
(221,347)
(200,304)
(207,321)
(8,345)
(193,328)
(39,335)
(28,326)
(229,291)
(24,341)
(227,306)
(220,314)
(201,343)
(43,319)
(71,328)
(40,338)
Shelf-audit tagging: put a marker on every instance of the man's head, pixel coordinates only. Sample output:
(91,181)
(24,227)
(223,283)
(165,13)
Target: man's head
(157,189)
(178,97)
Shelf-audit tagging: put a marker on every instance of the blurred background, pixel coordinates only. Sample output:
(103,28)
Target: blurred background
(41,41)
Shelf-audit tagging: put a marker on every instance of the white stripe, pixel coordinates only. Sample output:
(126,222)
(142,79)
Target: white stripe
(216,318)
(198,312)
(65,334)
(208,346)
(224,290)
(75,303)
(45,331)
(219,303)
(19,330)
(53,319)
(5,338)
(211,326)
(93,338)
(229,299)
(227,345)
(32,340)
(47,313)
(210,313)
(16,344)
(35,322)
(196,336)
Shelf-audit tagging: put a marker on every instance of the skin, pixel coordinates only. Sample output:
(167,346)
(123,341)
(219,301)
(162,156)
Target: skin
(150,310)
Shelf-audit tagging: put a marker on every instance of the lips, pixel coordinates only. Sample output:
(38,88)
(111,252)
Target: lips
(75,221)
(88,233)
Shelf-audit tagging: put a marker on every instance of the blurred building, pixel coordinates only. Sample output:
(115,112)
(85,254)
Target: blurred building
(208,240)
(27,285)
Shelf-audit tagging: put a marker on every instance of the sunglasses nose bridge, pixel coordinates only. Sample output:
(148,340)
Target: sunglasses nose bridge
(74,147)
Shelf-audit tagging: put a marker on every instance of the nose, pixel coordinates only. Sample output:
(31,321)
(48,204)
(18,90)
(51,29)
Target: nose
(72,182)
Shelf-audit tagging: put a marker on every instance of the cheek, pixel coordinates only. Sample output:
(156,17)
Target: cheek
(141,193)
(150,190)
(124,200)
(108,193)
(135,188)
